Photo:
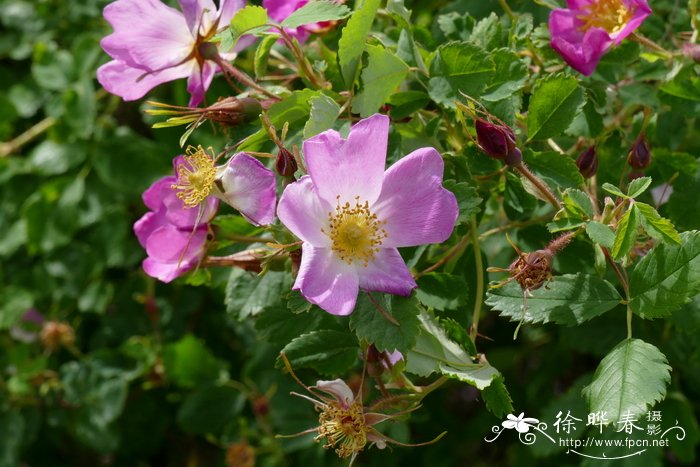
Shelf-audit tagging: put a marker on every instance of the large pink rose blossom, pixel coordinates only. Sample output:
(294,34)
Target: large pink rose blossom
(352,215)
(585,31)
(153,43)
(279,10)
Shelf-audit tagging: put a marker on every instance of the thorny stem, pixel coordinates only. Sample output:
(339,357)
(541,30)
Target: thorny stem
(451,253)
(515,225)
(474,328)
(621,276)
(304,65)
(541,186)
(14,145)
(242,77)
(649,44)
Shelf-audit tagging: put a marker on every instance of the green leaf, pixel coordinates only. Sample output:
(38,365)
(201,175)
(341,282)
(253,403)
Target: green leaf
(509,77)
(246,19)
(686,85)
(403,104)
(555,169)
(468,199)
(14,303)
(638,186)
(497,398)
(578,203)
(370,324)
(626,233)
(600,233)
(280,325)
(323,115)
(352,41)
(612,189)
(569,299)
(459,67)
(555,101)
(12,428)
(434,352)
(328,352)
(383,74)
(656,226)
(666,278)
(631,378)
(209,409)
(249,295)
(188,362)
(315,12)
(442,291)
(262,52)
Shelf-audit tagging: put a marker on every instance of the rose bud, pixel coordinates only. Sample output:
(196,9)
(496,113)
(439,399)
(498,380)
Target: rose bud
(285,164)
(639,156)
(495,140)
(691,51)
(514,158)
(587,162)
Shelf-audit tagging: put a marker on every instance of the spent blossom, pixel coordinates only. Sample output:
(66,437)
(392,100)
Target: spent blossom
(153,43)
(585,31)
(352,215)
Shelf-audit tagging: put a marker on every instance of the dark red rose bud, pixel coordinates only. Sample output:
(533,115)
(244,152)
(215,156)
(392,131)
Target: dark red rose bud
(495,140)
(587,162)
(285,164)
(514,158)
(639,156)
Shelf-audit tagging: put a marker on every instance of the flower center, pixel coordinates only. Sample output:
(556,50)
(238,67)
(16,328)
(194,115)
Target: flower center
(195,177)
(343,429)
(611,15)
(355,232)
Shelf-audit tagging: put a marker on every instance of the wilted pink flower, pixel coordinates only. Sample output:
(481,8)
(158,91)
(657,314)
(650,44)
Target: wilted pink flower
(279,10)
(352,215)
(153,43)
(585,31)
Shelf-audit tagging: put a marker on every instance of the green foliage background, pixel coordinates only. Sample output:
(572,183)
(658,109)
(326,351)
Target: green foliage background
(175,374)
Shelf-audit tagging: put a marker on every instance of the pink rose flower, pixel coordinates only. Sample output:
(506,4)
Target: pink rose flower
(352,215)
(153,43)
(585,31)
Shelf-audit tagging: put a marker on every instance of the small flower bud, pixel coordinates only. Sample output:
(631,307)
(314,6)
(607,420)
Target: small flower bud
(639,156)
(587,162)
(495,140)
(285,164)
(514,158)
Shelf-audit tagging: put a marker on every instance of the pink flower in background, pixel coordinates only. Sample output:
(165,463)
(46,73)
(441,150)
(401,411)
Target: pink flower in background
(352,215)
(279,10)
(586,30)
(153,43)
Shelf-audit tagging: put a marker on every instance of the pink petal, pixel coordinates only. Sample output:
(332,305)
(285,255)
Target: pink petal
(641,11)
(186,218)
(387,272)
(303,212)
(325,280)
(279,10)
(166,272)
(413,203)
(338,389)
(168,244)
(352,167)
(147,224)
(199,81)
(194,12)
(147,34)
(133,83)
(581,50)
(227,10)
(153,196)
(249,187)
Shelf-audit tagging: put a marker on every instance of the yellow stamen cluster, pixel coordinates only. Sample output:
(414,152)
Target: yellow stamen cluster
(343,428)
(355,232)
(611,15)
(194,183)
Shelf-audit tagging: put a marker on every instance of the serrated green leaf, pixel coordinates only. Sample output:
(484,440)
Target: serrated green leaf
(316,12)
(280,325)
(380,78)
(353,39)
(631,378)
(568,300)
(442,291)
(262,52)
(403,104)
(322,116)
(600,233)
(612,189)
(497,398)
(468,199)
(656,226)
(459,67)
(371,325)
(555,101)
(555,169)
(328,352)
(626,233)
(578,203)
(246,19)
(638,186)
(666,278)
(249,295)
(509,76)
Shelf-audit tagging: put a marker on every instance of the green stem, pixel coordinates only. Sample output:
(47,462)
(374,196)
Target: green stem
(506,8)
(476,314)
(243,78)
(649,44)
(541,186)
(621,276)
(14,145)
(629,322)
